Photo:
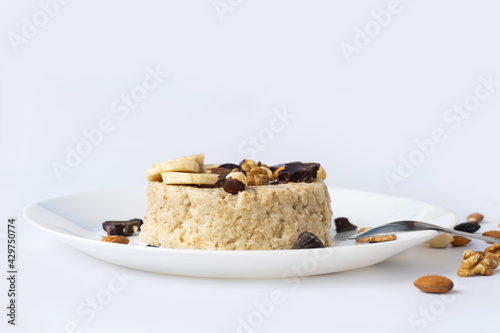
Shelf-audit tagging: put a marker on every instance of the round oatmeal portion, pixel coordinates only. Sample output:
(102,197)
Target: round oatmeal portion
(260,218)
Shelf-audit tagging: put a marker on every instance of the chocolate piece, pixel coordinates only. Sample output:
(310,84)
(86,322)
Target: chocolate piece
(277,166)
(307,240)
(122,228)
(298,172)
(229,166)
(342,224)
(467,227)
(219,171)
(221,180)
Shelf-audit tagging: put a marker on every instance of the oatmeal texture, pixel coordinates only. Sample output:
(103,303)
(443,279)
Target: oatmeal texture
(260,218)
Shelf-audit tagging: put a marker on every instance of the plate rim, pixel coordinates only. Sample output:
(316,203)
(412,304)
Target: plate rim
(34,205)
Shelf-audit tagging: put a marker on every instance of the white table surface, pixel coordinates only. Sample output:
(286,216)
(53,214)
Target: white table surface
(226,77)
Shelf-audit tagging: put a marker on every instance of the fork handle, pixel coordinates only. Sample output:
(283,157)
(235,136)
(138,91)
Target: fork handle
(466,234)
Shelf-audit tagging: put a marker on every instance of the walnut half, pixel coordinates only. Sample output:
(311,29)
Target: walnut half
(475,263)
(257,173)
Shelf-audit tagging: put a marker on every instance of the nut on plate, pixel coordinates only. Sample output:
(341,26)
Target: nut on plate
(374,239)
(475,218)
(478,263)
(435,284)
(492,233)
(441,241)
(460,241)
(115,239)
(494,249)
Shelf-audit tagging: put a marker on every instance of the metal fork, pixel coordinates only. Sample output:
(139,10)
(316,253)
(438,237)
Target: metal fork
(404,226)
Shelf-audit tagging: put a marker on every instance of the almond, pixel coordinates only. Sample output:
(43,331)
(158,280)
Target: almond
(460,241)
(435,284)
(115,239)
(492,233)
(475,218)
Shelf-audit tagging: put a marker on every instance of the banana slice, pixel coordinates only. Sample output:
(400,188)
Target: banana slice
(153,174)
(180,178)
(200,159)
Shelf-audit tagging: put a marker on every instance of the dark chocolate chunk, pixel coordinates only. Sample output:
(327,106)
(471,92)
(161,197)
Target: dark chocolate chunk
(298,172)
(219,171)
(221,180)
(277,166)
(122,228)
(149,245)
(229,166)
(307,240)
(342,224)
(467,227)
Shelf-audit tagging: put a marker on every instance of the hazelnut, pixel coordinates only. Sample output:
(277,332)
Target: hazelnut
(235,182)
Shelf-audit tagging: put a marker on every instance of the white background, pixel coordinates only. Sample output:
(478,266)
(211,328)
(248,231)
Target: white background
(226,76)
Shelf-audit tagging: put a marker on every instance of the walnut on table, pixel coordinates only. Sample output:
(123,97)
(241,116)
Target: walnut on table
(494,249)
(478,263)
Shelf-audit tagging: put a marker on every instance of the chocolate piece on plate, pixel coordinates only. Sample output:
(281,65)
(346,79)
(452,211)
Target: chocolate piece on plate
(342,224)
(298,172)
(307,240)
(122,228)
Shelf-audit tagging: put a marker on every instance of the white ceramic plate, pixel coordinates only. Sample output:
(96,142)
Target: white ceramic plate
(77,220)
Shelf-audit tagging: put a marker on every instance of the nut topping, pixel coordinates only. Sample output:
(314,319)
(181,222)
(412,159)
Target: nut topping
(246,165)
(233,182)
(259,176)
